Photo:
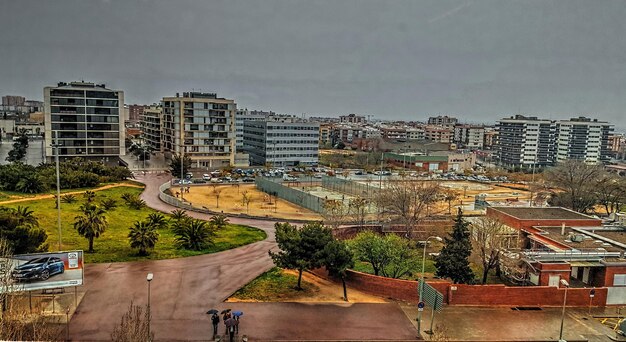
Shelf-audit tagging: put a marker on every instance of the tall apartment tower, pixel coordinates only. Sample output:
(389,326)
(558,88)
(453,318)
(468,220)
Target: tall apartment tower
(584,139)
(202,126)
(526,142)
(87,119)
(151,126)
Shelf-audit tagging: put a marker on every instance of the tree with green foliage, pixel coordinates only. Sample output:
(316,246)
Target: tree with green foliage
(300,249)
(453,260)
(158,220)
(91,223)
(390,255)
(175,165)
(18,152)
(21,229)
(31,183)
(89,196)
(178,215)
(370,247)
(143,236)
(194,234)
(338,259)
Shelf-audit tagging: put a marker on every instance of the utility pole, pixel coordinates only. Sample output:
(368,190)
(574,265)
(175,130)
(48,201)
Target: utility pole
(56,145)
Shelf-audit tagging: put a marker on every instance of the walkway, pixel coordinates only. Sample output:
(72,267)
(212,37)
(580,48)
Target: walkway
(38,197)
(184,289)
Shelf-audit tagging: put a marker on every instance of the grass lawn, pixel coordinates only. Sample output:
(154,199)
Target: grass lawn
(113,244)
(273,285)
(366,267)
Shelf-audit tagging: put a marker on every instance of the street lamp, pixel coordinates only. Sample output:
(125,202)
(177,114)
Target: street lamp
(565,284)
(56,146)
(421,286)
(149,279)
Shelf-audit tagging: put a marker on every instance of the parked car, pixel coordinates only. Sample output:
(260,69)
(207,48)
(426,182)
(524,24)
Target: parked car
(38,269)
(248,180)
(206,176)
(189,175)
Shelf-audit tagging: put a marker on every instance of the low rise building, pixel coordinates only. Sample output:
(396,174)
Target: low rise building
(352,119)
(438,134)
(444,120)
(469,136)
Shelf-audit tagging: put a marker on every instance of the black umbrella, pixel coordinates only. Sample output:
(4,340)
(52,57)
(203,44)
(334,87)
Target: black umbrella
(212,311)
(230,322)
(225,311)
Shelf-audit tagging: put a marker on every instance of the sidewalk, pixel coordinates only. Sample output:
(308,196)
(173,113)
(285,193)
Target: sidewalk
(505,324)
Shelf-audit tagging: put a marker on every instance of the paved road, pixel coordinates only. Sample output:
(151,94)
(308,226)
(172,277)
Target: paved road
(183,289)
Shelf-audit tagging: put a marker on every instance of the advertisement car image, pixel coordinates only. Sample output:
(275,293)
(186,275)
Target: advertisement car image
(38,269)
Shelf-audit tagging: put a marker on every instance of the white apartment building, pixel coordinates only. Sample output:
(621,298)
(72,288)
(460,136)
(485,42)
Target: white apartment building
(86,117)
(352,119)
(415,134)
(247,115)
(584,139)
(526,141)
(151,126)
(282,141)
(202,126)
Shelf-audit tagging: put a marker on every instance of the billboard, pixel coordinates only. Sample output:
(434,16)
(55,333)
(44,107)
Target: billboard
(44,271)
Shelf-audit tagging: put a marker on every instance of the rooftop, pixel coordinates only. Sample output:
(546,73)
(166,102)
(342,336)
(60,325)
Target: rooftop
(549,213)
(585,243)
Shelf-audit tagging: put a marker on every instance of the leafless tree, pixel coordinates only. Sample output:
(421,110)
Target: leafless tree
(611,192)
(449,195)
(245,200)
(358,209)
(217,191)
(134,326)
(334,213)
(489,236)
(577,181)
(407,201)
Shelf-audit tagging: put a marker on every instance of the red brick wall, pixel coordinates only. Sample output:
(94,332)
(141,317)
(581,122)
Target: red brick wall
(479,295)
(607,274)
(500,295)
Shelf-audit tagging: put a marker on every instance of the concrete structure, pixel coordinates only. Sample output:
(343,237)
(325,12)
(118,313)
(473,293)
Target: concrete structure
(282,141)
(348,133)
(437,161)
(326,134)
(201,126)
(415,134)
(13,100)
(152,127)
(491,138)
(469,136)
(445,120)
(583,139)
(87,119)
(352,119)
(393,133)
(135,112)
(526,142)
(247,115)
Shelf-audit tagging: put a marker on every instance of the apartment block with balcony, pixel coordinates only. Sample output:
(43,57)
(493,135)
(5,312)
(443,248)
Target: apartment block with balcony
(86,117)
(583,139)
(469,136)
(525,142)
(202,126)
(151,126)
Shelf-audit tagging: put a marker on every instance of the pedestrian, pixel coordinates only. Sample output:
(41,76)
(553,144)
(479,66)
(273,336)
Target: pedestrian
(230,327)
(236,324)
(215,319)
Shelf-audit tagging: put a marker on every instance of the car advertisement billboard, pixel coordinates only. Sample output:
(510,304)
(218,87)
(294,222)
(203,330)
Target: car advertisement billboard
(39,271)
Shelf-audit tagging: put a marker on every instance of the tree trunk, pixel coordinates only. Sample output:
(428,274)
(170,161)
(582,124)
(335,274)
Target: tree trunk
(91,245)
(485,274)
(299,279)
(375,270)
(345,290)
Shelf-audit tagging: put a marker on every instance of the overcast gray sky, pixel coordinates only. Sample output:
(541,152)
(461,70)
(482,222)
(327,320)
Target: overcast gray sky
(478,60)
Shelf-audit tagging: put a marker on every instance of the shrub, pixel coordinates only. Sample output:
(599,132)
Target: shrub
(108,204)
(194,234)
(69,198)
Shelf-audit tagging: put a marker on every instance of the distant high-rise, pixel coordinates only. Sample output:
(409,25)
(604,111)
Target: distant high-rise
(12,100)
(151,125)
(584,139)
(87,119)
(202,126)
(442,120)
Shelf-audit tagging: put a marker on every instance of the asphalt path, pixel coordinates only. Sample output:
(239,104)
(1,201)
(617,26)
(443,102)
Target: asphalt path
(184,289)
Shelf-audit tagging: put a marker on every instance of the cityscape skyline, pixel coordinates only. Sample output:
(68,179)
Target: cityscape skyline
(403,60)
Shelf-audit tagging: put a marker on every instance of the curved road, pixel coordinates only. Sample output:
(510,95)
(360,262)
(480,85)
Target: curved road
(184,289)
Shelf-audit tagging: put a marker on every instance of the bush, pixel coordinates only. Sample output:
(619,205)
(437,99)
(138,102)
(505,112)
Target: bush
(108,204)
(69,198)
(194,234)
(133,201)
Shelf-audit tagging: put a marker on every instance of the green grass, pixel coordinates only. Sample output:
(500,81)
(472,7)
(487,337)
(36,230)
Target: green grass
(113,245)
(366,267)
(274,285)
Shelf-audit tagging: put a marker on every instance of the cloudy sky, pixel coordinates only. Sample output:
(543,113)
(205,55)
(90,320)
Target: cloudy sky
(478,60)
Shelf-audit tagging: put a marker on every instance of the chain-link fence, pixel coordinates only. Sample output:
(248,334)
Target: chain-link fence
(348,187)
(292,195)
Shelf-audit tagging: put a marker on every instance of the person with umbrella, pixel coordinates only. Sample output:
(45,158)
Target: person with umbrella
(236,316)
(215,319)
(230,323)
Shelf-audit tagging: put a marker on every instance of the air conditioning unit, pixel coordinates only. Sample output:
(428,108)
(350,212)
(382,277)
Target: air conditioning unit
(578,238)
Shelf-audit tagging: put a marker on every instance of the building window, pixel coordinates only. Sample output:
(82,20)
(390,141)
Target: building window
(619,280)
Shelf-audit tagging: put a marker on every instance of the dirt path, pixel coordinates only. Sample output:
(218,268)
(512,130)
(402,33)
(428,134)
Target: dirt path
(326,292)
(38,197)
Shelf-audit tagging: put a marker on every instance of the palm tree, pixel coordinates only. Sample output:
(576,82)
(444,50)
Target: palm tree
(143,236)
(91,223)
(194,234)
(158,220)
(219,221)
(89,196)
(24,215)
(30,184)
(179,214)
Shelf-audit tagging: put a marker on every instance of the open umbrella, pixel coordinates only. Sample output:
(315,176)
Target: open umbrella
(212,311)
(230,322)
(225,311)
(237,313)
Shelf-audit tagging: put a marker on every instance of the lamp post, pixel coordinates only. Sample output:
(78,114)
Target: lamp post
(421,286)
(565,284)
(149,279)
(56,146)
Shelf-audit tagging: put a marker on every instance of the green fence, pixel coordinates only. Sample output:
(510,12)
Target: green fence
(348,187)
(292,195)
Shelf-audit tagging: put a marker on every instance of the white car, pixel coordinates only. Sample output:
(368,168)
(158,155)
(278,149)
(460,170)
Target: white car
(206,176)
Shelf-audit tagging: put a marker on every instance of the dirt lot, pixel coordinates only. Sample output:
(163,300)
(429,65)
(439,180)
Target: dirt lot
(230,201)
